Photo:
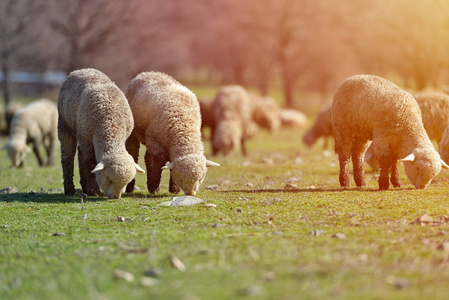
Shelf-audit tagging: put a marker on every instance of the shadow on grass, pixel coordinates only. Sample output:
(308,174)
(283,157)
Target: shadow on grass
(61,198)
(305,190)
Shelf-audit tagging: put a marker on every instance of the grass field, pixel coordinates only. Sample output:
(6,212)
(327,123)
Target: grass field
(263,240)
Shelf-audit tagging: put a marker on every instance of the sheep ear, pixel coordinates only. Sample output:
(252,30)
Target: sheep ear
(210,163)
(139,169)
(410,157)
(98,167)
(168,166)
(444,165)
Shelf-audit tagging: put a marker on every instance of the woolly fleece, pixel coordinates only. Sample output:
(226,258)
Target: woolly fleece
(168,122)
(367,107)
(95,116)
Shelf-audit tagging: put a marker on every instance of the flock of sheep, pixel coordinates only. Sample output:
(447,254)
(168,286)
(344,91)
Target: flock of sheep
(107,127)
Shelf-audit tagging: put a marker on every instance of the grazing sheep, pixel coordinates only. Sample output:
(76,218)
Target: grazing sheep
(321,128)
(35,123)
(94,114)
(292,118)
(233,119)
(435,113)
(444,145)
(207,115)
(265,113)
(168,121)
(367,107)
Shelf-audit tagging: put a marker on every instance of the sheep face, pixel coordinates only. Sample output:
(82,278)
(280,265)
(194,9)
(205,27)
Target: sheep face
(188,172)
(113,174)
(422,166)
(17,152)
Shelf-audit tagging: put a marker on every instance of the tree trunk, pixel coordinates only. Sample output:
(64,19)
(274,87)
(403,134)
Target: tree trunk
(6,87)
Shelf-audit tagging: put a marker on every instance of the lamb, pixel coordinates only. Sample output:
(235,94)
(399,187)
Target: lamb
(321,128)
(435,113)
(232,114)
(444,145)
(292,118)
(168,121)
(35,123)
(94,114)
(265,113)
(207,118)
(367,107)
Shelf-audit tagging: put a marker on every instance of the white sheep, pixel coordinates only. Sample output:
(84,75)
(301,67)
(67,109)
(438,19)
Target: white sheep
(292,118)
(435,113)
(95,116)
(265,113)
(35,123)
(367,107)
(233,119)
(168,122)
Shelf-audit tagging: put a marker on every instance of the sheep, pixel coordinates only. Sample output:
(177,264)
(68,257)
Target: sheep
(35,123)
(444,145)
(233,119)
(265,113)
(292,118)
(367,107)
(168,122)
(207,118)
(435,113)
(94,114)
(321,128)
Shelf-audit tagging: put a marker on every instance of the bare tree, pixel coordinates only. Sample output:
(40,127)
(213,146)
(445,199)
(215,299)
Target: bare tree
(17,36)
(86,27)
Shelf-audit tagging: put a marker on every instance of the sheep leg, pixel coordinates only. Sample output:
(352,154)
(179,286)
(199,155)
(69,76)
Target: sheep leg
(344,158)
(132,146)
(37,153)
(87,162)
(68,150)
(172,187)
(395,174)
(50,149)
(385,163)
(358,150)
(242,143)
(154,164)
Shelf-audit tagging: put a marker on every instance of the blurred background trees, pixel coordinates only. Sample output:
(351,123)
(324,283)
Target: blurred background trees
(291,46)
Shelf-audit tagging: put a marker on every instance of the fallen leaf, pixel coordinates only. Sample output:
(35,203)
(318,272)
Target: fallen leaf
(177,263)
(339,236)
(120,219)
(210,205)
(123,275)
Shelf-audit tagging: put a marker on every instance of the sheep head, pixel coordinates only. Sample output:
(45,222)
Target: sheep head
(227,136)
(114,173)
(189,171)
(422,166)
(16,152)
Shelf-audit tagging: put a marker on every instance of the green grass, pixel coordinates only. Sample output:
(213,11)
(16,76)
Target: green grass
(255,244)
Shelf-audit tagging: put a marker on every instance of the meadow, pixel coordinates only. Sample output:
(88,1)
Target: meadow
(277,226)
